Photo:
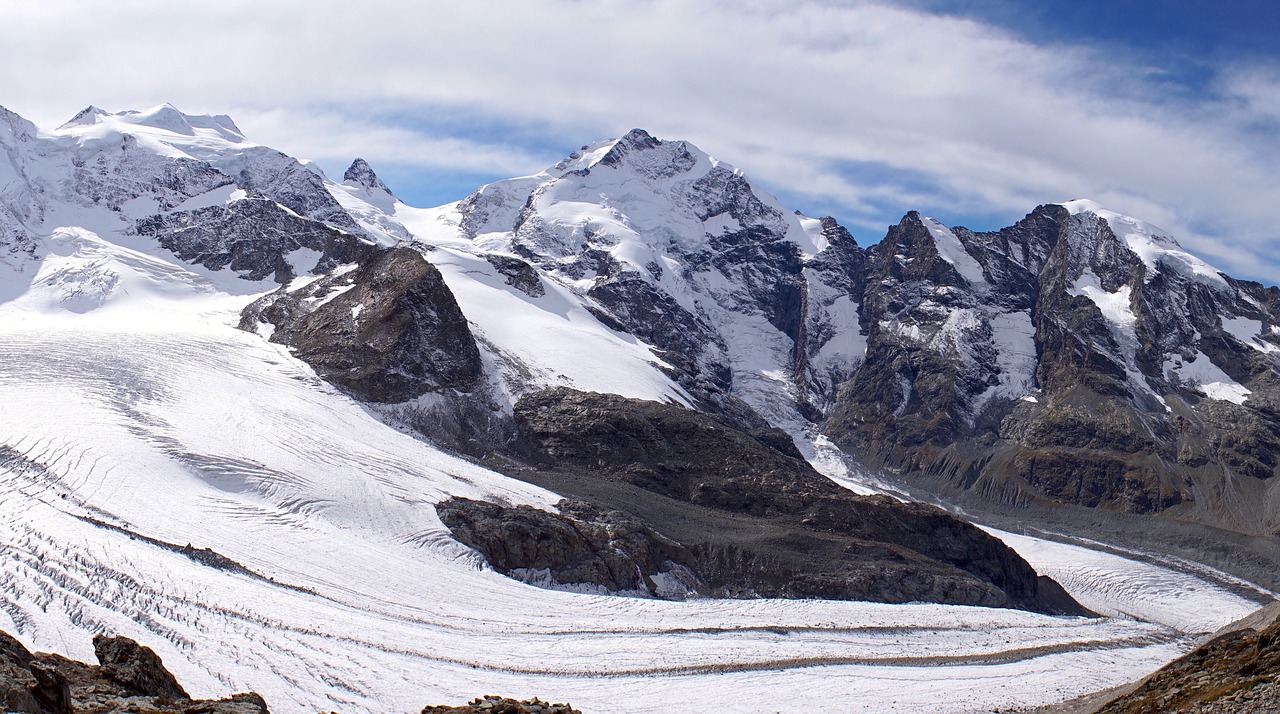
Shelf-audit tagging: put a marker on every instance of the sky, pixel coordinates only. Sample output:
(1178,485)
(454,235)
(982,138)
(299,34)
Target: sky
(970,111)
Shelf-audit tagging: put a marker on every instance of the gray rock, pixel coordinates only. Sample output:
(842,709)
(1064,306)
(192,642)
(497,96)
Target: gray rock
(361,174)
(581,545)
(519,274)
(253,237)
(130,678)
(135,667)
(1108,428)
(388,331)
(748,516)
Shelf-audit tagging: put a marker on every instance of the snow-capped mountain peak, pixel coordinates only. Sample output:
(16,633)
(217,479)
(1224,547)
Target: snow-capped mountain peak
(636,152)
(363,195)
(362,175)
(666,244)
(164,128)
(88,115)
(1152,244)
(165,118)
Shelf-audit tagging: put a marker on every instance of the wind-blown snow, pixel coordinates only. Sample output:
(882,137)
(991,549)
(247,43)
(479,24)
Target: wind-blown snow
(1115,306)
(813,228)
(374,213)
(1014,337)
(554,335)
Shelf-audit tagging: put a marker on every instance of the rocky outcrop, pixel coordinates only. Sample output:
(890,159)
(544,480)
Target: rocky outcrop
(129,677)
(135,667)
(361,174)
(385,328)
(519,274)
(493,704)
(254,237)
(1238,672)
(743,512)
(582,545)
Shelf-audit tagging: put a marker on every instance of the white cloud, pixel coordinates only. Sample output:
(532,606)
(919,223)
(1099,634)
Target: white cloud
(336,138)
(789,91)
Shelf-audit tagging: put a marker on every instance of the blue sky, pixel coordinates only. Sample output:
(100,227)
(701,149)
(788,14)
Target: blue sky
(973,112)
(1191,27)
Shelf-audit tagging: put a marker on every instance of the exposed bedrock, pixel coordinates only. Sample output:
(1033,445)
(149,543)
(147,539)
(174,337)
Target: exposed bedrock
(662,492)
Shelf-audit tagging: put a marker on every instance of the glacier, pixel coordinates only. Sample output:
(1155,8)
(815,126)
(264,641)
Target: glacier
(142,427)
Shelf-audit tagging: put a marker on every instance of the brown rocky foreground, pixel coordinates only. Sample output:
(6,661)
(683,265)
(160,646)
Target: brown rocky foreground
(131,678)
(1236,672)
(127,678)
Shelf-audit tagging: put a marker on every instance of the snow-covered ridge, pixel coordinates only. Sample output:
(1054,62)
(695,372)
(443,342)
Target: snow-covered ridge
(1152,244)
(164,117)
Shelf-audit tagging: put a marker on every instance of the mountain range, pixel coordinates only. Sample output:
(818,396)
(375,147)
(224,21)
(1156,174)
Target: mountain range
(618,406)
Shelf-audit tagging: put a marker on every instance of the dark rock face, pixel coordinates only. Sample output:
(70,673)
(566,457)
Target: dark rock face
(688,341)
(1008,380)
(136,668)
(130,678)
(361,174)
(252,237)
(19,689)
(747,518)
(387,331)
(580,545)
(519,274)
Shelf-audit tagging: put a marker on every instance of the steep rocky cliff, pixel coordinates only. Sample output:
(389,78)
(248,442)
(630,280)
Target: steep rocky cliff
(1078,357)
(705,508)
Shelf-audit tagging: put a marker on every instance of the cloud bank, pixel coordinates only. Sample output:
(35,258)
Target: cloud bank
(860,109)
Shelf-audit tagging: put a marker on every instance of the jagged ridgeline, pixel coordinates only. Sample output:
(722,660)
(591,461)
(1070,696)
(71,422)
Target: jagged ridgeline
(1078,357)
